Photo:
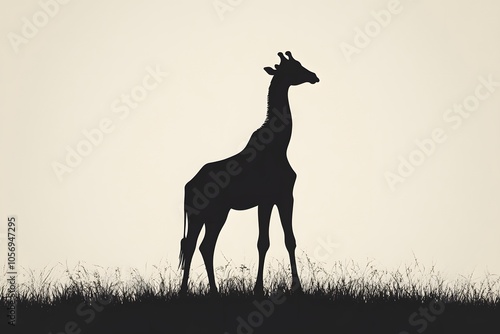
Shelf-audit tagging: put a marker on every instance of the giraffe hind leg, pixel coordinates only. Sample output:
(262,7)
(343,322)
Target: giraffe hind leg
(188,245)
(207,247)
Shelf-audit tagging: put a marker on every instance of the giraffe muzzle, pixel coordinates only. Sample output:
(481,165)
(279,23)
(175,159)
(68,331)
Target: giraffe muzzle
(314,80)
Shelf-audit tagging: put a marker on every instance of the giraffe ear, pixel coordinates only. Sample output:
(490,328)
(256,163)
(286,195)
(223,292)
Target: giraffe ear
(270,70)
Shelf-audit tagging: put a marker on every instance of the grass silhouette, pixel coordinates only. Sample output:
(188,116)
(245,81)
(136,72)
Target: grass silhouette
(346,298)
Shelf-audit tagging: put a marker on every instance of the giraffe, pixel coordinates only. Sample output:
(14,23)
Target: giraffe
(260,175)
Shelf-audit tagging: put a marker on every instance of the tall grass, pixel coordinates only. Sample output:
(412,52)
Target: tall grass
(344,281)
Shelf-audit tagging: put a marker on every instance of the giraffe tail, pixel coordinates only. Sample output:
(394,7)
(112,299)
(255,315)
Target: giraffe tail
(182,259)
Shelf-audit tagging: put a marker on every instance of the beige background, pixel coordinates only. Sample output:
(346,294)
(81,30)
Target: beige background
(122,205)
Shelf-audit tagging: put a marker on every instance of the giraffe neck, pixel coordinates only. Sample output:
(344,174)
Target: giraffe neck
(279,117)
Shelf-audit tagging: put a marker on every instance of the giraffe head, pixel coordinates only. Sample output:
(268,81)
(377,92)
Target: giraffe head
(291,71)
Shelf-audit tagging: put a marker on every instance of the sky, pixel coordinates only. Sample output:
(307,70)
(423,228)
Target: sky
(109,108)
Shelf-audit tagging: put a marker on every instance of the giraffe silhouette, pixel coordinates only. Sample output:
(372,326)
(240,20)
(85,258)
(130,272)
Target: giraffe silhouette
(260,175)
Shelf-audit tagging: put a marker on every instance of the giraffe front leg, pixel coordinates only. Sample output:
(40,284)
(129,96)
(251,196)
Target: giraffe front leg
(262,245)
(285,209)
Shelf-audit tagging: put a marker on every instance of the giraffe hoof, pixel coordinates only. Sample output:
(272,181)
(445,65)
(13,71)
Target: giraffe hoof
(258,292)
(297,288)
(213,293)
